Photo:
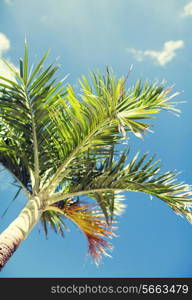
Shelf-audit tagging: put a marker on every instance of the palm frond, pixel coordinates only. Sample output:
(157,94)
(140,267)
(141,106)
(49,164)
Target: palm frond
(53,220)
(100,116)
(91,222)
(112,176)
(60,145)
(53,126)
(24,116)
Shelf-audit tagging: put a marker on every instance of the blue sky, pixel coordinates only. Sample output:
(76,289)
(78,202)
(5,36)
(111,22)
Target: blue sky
(154,37)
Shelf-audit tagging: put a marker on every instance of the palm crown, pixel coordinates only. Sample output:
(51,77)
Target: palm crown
(60,145)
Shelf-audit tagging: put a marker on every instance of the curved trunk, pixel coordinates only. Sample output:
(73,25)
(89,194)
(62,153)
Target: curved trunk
(19,229)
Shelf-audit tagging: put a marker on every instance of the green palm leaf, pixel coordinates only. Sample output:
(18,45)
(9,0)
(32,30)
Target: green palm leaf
(112,176)
(60,145)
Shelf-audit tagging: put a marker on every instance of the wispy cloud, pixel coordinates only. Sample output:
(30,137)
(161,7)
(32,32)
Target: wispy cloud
(4,43)
(187,10)
(43,19)
(9,2)
(4,47)
(160,57)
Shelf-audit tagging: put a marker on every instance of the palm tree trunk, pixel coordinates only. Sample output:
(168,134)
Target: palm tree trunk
(19,229)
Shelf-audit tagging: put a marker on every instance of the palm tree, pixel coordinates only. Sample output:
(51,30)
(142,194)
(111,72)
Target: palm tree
(59,146)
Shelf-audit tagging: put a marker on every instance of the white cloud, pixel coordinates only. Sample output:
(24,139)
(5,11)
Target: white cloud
(43,19)
(4,43)
(5,72)
(9,2)
(187,10)
(4,47)
(160,57)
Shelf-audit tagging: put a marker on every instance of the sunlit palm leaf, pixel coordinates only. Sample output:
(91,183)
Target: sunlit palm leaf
(52,126)
(60,145)
(24,112)
(54,220)
(102,181)
(91,222)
